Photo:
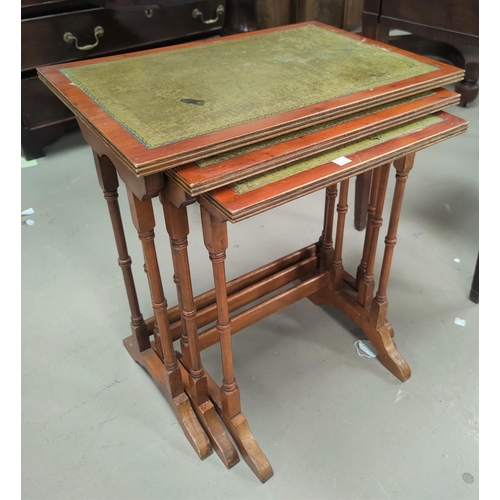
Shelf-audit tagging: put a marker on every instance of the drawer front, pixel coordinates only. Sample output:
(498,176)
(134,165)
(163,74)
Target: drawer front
(39,106)
(42,39)
(33,8)
(461,16)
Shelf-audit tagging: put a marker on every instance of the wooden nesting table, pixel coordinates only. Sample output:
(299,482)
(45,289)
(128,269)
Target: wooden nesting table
(241,125)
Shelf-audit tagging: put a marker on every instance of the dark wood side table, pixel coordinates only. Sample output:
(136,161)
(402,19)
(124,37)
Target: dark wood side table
(445,29)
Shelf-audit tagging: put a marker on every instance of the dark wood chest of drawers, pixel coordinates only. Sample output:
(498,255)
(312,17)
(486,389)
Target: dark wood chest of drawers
(56,31)
(446,29)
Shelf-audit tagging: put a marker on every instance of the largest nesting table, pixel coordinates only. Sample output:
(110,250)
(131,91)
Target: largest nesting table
(241,125)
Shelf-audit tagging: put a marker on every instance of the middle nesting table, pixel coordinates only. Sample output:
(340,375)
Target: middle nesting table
(318,268)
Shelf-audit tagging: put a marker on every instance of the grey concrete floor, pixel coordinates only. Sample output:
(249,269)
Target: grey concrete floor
(334,425)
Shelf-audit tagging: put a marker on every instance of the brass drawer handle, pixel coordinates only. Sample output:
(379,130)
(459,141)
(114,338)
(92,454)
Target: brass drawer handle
(70,38)
(197,14)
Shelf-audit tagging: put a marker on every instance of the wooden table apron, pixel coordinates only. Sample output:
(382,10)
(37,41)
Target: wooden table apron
(316,271)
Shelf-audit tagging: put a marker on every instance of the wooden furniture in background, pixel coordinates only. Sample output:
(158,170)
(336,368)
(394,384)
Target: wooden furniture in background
(448,29)
(129,25)
(474,288)
(241,17)
(445,29)
(112,28)
(144,139)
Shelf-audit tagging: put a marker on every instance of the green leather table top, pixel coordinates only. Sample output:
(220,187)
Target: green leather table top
(281,173)
(168,96)
(212,160)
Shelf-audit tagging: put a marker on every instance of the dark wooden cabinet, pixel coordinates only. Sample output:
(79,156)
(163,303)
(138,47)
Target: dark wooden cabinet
(441,20)
(97,29)
(345,14)
(445,29)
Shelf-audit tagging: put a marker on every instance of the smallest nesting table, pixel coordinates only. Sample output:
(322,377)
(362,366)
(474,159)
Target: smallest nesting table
(241,126)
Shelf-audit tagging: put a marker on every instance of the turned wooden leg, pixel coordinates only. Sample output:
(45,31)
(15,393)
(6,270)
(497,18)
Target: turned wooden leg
(178,229)
(326,239)
(340,290)
(156,333)
(215,238)
(381,335)
(108,180)
(364,277)
(379,305)
(166,371)
(176,221)
(372,202)
(227,397)
(361,199)
(337,267)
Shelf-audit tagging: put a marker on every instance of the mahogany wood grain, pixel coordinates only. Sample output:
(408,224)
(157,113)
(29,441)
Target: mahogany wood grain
(326,239)
(144,188)
(235,207)
(156,344)
(379,305)
(372,203)
(337,267)
(144,222)
(195,180)
(246,280)
(194,379)
(176,194)
(243,437)
(264,309)
(227,397)
(215,239)
(361,199)
(142,161)
(366,285)
(177,225)
(207,416)
(251,293)
(108,181)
